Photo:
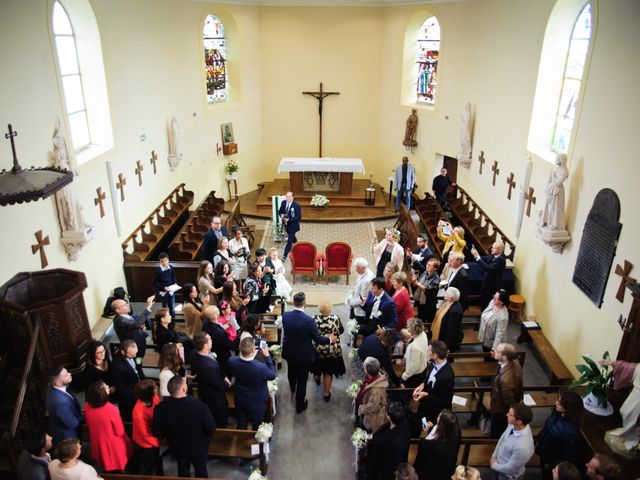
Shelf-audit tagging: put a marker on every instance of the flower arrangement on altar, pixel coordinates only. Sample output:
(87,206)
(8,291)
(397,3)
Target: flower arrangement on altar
(352,327)
(319,201)
(354,388)
(231,167)
(272,385)
(256,474)
(275,351)
(359,438)
(264,433)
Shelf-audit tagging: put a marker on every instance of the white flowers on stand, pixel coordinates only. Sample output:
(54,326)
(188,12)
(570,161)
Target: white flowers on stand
(319,201)
(353,389)
(256,474)
(264,433)
(352,327)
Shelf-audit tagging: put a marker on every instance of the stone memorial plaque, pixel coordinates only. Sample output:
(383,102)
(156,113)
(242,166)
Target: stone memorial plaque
(598,246)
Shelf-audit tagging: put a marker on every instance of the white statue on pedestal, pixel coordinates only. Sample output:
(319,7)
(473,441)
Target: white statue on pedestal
(551,222)
(464,155)
(175,155)
(75,232)
(626,440)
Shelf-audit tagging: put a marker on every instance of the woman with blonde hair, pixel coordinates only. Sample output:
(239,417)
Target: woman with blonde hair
(453,239)
(416,357)
(68,466)
(329,361)
(390,269)
(388,250)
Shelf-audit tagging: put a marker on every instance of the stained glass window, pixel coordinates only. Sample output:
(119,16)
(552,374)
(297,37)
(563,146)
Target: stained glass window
(65,43)
(215,57)
(427,52)
(578,49)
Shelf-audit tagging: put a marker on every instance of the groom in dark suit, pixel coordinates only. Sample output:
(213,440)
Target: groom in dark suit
(493,266)
(436,392)
(379,310)
(291,214)
(65,416)
(299,329)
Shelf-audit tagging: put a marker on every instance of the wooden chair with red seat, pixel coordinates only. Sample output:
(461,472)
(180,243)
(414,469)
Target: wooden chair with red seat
(303,260)
(337,260)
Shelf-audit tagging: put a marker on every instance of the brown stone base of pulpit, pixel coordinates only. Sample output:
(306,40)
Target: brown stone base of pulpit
(344,184)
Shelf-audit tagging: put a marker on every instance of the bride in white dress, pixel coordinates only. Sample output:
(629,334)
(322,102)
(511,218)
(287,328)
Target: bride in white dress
(283,287)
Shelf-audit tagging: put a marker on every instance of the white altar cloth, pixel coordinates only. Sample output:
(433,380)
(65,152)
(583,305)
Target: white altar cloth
(324,164)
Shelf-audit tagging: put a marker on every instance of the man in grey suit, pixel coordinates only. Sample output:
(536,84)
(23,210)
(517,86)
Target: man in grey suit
(299,330)
(128,327)
(403,182)
(361,289)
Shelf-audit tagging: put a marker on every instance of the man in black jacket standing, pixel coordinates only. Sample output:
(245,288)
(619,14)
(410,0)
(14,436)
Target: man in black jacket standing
(493,266)
(187,425)
(126,372)
(222,346)
(211,238)
(212,381)
(436,392)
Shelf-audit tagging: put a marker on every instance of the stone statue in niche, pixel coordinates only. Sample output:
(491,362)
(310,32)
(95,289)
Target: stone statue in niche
(551,222)
(411,128)
(175,155)
(75,233)
(464,154)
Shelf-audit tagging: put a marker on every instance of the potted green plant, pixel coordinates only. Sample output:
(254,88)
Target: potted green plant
(597,378)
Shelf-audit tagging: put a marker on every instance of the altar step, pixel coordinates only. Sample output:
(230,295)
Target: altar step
(257,203)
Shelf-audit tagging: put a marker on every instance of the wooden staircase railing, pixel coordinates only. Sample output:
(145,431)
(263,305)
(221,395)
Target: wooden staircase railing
(430,212)
(148,235)
(188,242)
(481,230)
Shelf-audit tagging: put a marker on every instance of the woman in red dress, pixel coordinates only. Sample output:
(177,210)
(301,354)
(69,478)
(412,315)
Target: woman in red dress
(402,299)
(110,445)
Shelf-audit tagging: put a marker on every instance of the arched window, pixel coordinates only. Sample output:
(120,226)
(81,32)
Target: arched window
(83,85)
(576,59)
(69,68)
(215,60)
(427,51)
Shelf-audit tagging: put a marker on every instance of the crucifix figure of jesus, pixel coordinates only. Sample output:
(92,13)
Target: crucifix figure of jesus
(320,96)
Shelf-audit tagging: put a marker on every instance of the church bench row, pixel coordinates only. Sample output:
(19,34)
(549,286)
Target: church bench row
(235,219)
(157,227)
(430,213)
(188,242)
(481,230)
(470,337)
(559,371)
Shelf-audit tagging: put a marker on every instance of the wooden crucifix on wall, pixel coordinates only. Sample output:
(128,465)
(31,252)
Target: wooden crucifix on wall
(320,96)
(530,199)
(42,241)
(153,160)
(512,184)
(626,278)
(98,200)
(121,183)
(139,169)
(481,160)
(496,171)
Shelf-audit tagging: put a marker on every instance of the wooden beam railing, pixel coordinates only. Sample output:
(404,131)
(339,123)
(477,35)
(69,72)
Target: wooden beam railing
(430,212)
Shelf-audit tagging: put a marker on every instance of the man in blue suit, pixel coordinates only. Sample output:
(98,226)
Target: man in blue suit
(290,214)
(250,388)
(299,329)
(65,415)
(379,310)
(404,181)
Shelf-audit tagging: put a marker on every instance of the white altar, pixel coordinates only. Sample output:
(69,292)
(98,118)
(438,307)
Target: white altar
(326,174)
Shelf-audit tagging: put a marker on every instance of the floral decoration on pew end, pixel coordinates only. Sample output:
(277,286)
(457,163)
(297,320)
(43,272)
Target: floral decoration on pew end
(256,474)
(275,351)
(353,389)
(264,433)
(352,327)
(272,385)
(359,438)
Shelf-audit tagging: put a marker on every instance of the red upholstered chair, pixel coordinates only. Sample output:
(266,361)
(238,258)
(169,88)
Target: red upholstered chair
(338,260)
(303,260)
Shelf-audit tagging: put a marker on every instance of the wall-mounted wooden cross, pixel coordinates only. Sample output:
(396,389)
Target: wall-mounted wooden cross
(122,182)
(139,170)
(42,241)
(512,184)
(98,200)
(481,159)
(153,160)
(496,171)
(320,96)
(624,273)
(530,199)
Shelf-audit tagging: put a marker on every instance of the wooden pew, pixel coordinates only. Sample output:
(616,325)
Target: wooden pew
(430,212)
(188,242)
(559,371)
(235,218)
(481,230)
(155,229)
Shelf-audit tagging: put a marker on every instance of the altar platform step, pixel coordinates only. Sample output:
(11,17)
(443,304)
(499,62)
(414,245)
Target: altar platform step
(257,203)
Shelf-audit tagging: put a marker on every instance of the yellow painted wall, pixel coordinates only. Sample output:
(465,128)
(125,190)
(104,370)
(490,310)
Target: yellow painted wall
(489,56)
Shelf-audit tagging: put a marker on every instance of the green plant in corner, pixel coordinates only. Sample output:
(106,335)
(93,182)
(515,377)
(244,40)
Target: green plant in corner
(597,378)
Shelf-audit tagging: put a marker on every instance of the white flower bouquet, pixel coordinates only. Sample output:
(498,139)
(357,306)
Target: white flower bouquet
(359,438)
(256,474)
(265,430)
(319,201)
(354,388)
(272,385)
(353,353)
(278,322)
(275,351)
(352,327)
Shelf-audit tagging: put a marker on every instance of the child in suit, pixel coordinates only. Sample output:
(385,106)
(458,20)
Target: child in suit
(165,282)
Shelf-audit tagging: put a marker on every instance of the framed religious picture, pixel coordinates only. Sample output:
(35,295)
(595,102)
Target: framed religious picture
(229,146)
